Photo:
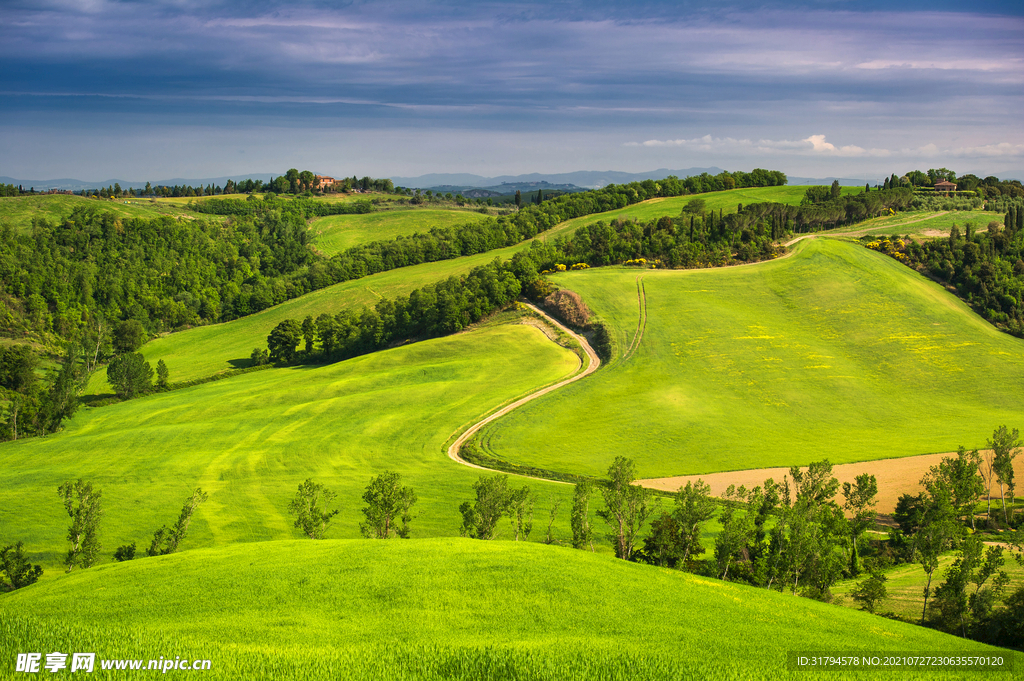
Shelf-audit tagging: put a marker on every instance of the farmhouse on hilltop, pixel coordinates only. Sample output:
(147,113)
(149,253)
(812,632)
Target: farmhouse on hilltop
(322,181)
(945,186)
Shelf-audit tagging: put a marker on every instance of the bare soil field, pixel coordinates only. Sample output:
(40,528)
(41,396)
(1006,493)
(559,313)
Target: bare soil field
(895,477)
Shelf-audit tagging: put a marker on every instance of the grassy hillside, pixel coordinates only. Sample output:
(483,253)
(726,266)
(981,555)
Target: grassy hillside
(206,350)
(335,233)
(441,608)
(251,440)
(923,224)
(20,211)
(726,201)
(835,352)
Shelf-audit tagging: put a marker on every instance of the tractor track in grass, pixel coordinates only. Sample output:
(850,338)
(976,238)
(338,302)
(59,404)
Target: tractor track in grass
(595,362)
(641,322)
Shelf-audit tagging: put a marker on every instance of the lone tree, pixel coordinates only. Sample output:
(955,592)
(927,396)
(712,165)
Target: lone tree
(130,375)
(83,506)
(627,506)
(307,506)
(1005,447)
(388,502)
(15,569)
(480,518)
(166,540)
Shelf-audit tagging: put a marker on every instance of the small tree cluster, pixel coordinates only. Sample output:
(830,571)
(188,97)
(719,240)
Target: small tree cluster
(494,500)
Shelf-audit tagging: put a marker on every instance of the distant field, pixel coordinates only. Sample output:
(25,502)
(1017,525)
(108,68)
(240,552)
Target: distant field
(441,609)
(835,352)
(672,207)
(335,233)
(906,584)
(20,211)
(922,224)
(206,350)
(249,441)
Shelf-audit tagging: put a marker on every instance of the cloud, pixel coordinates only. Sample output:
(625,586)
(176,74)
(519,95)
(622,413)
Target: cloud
(815,144)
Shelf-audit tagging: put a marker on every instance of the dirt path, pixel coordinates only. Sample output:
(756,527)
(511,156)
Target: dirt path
(595,362)
(895,477)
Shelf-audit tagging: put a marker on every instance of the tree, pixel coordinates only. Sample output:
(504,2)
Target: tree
(519,200)
(694,507)
(388,502)
(82,504)
(130,375)
(307,506)
(834,190)
(125,552)
(128,336)
(872,590)
(549,537)
(166,540)
(162,374)
(859,501)
(259,357)
(480,519)
(309,333)
(283,340)
(735,534)
(582,532)
(61,399)
(960,479)
(958,607)
(627,506)
(16,568)
(520,511)
(1005,446)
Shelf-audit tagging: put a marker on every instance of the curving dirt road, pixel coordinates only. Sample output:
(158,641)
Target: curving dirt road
(595,362)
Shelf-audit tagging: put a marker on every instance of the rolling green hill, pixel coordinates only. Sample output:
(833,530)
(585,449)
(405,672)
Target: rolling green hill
(335,233)
(726,201)
(251,440)
(206,350)
(441,608)
(19,211)
(835,352)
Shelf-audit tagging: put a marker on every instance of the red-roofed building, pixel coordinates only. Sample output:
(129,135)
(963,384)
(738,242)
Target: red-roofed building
(945,186)
(322,181)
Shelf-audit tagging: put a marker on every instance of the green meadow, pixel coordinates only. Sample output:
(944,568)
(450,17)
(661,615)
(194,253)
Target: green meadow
(906,583)
(19,211)
(923,224)
(249,442)
(336,233)
(206,350)
(726,201)
(835,352)
(441,609)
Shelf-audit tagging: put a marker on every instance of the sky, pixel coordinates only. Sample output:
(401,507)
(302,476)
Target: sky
(94,89)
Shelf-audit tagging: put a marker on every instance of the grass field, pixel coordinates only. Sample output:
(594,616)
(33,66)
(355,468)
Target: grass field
(440,608)
(836,352)
(20,211)
(922,224)
(672,207)
(251,440)
(206,350)
(335,233)
(906,583)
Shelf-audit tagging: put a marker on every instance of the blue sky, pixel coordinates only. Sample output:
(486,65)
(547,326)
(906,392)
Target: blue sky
(100,88)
